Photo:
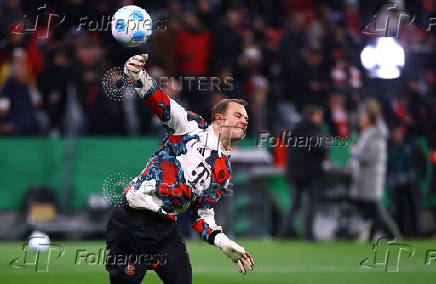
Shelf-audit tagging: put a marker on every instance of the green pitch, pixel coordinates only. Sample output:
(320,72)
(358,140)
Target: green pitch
(276,262)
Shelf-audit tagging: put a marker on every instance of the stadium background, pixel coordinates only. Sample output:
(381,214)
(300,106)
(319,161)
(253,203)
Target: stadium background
(59,132)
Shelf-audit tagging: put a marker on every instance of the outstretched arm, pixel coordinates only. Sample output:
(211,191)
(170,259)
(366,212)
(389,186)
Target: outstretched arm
(203,221)
(169,111)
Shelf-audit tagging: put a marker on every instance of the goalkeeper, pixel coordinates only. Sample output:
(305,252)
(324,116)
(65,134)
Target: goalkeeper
(190,169)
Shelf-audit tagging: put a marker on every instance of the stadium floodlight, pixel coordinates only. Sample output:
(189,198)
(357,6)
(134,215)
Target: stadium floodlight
(384,58)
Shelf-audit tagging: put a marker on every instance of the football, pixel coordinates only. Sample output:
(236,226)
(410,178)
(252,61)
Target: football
(38,241)
(131,26)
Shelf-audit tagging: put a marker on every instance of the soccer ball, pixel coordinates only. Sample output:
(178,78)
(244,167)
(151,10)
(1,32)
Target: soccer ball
(131,26)
(38,241)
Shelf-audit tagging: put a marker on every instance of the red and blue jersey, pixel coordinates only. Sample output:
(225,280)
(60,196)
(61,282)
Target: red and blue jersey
(190,169)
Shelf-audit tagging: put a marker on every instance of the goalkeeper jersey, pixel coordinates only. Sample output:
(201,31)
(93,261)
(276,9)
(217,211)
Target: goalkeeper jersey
(190,169)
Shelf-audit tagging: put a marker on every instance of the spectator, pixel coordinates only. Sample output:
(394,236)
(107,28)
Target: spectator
(304,171)
(193,47)
(406,166)
(164,47)
(205,13)
(18,39)
(291,51)
(227,40)
(315,80)
(256,87)
(399,112)
(101,115)
(9,13)
(345,77)
(53,81)
(21,113)
(337,116)
(369,163)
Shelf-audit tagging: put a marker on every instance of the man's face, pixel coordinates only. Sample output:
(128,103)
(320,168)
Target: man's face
(234,122)
(317,117)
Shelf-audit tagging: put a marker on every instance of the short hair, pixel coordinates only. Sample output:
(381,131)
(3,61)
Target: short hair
(222,106)
(373,110)
(310,110)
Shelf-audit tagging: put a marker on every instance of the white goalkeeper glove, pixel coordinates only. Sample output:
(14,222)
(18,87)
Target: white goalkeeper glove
(235,252)
(133,68)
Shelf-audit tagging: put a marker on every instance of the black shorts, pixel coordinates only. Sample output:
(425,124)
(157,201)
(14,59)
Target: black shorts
(140,240)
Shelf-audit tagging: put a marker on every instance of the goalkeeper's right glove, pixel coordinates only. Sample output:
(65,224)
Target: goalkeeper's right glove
(235,252)
(134,70)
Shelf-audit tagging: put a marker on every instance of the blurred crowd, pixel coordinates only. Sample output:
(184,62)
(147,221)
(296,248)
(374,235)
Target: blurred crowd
(278,55)
(281,56)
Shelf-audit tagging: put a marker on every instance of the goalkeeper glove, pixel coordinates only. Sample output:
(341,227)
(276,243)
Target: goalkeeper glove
(235,252)
(134,70)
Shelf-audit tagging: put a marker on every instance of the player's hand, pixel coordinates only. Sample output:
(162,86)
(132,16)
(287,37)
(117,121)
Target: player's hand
(235,252)
(134,70)
(133,67)
(245,262)
(164,214)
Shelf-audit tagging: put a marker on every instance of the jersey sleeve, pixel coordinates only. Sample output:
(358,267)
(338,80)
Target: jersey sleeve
(203,222)
(170,113)
(203,215)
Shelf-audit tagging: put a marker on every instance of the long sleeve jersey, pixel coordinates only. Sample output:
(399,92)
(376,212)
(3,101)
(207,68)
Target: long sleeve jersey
(190,169)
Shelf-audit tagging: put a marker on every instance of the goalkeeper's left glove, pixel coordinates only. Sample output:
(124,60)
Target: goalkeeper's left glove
(235,252)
